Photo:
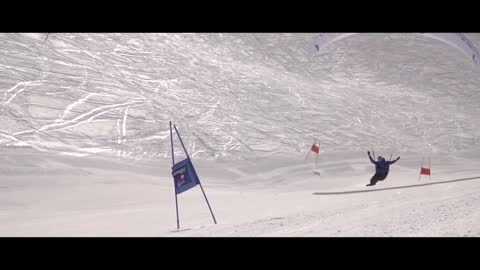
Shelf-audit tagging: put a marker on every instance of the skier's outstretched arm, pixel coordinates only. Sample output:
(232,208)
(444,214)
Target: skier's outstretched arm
(393,161)
(371,159)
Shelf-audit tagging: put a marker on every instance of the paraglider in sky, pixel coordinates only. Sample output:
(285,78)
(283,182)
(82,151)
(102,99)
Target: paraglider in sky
(457,40)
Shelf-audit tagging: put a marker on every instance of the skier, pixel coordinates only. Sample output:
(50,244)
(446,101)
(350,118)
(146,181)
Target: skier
(382,168)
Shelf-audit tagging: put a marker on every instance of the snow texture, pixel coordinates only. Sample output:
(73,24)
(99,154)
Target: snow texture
(84,134)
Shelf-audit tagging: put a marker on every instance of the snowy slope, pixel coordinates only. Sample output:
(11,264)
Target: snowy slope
(248,107)
(43,194)
(235,95)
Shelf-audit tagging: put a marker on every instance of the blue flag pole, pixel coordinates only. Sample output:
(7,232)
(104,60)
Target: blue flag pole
(173,163)
(199,183)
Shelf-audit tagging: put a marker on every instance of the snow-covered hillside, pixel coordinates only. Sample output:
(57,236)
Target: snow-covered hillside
(235,95)
(84,134)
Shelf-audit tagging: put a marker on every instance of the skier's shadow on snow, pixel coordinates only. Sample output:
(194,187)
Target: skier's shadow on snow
(390,188)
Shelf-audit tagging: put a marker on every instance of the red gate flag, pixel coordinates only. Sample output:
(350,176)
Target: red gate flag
(425,171)
(315,148)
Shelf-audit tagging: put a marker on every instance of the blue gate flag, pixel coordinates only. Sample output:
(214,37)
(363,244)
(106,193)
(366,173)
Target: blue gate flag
(184,176)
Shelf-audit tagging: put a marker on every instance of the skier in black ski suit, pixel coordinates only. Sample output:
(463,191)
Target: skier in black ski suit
(381,169)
